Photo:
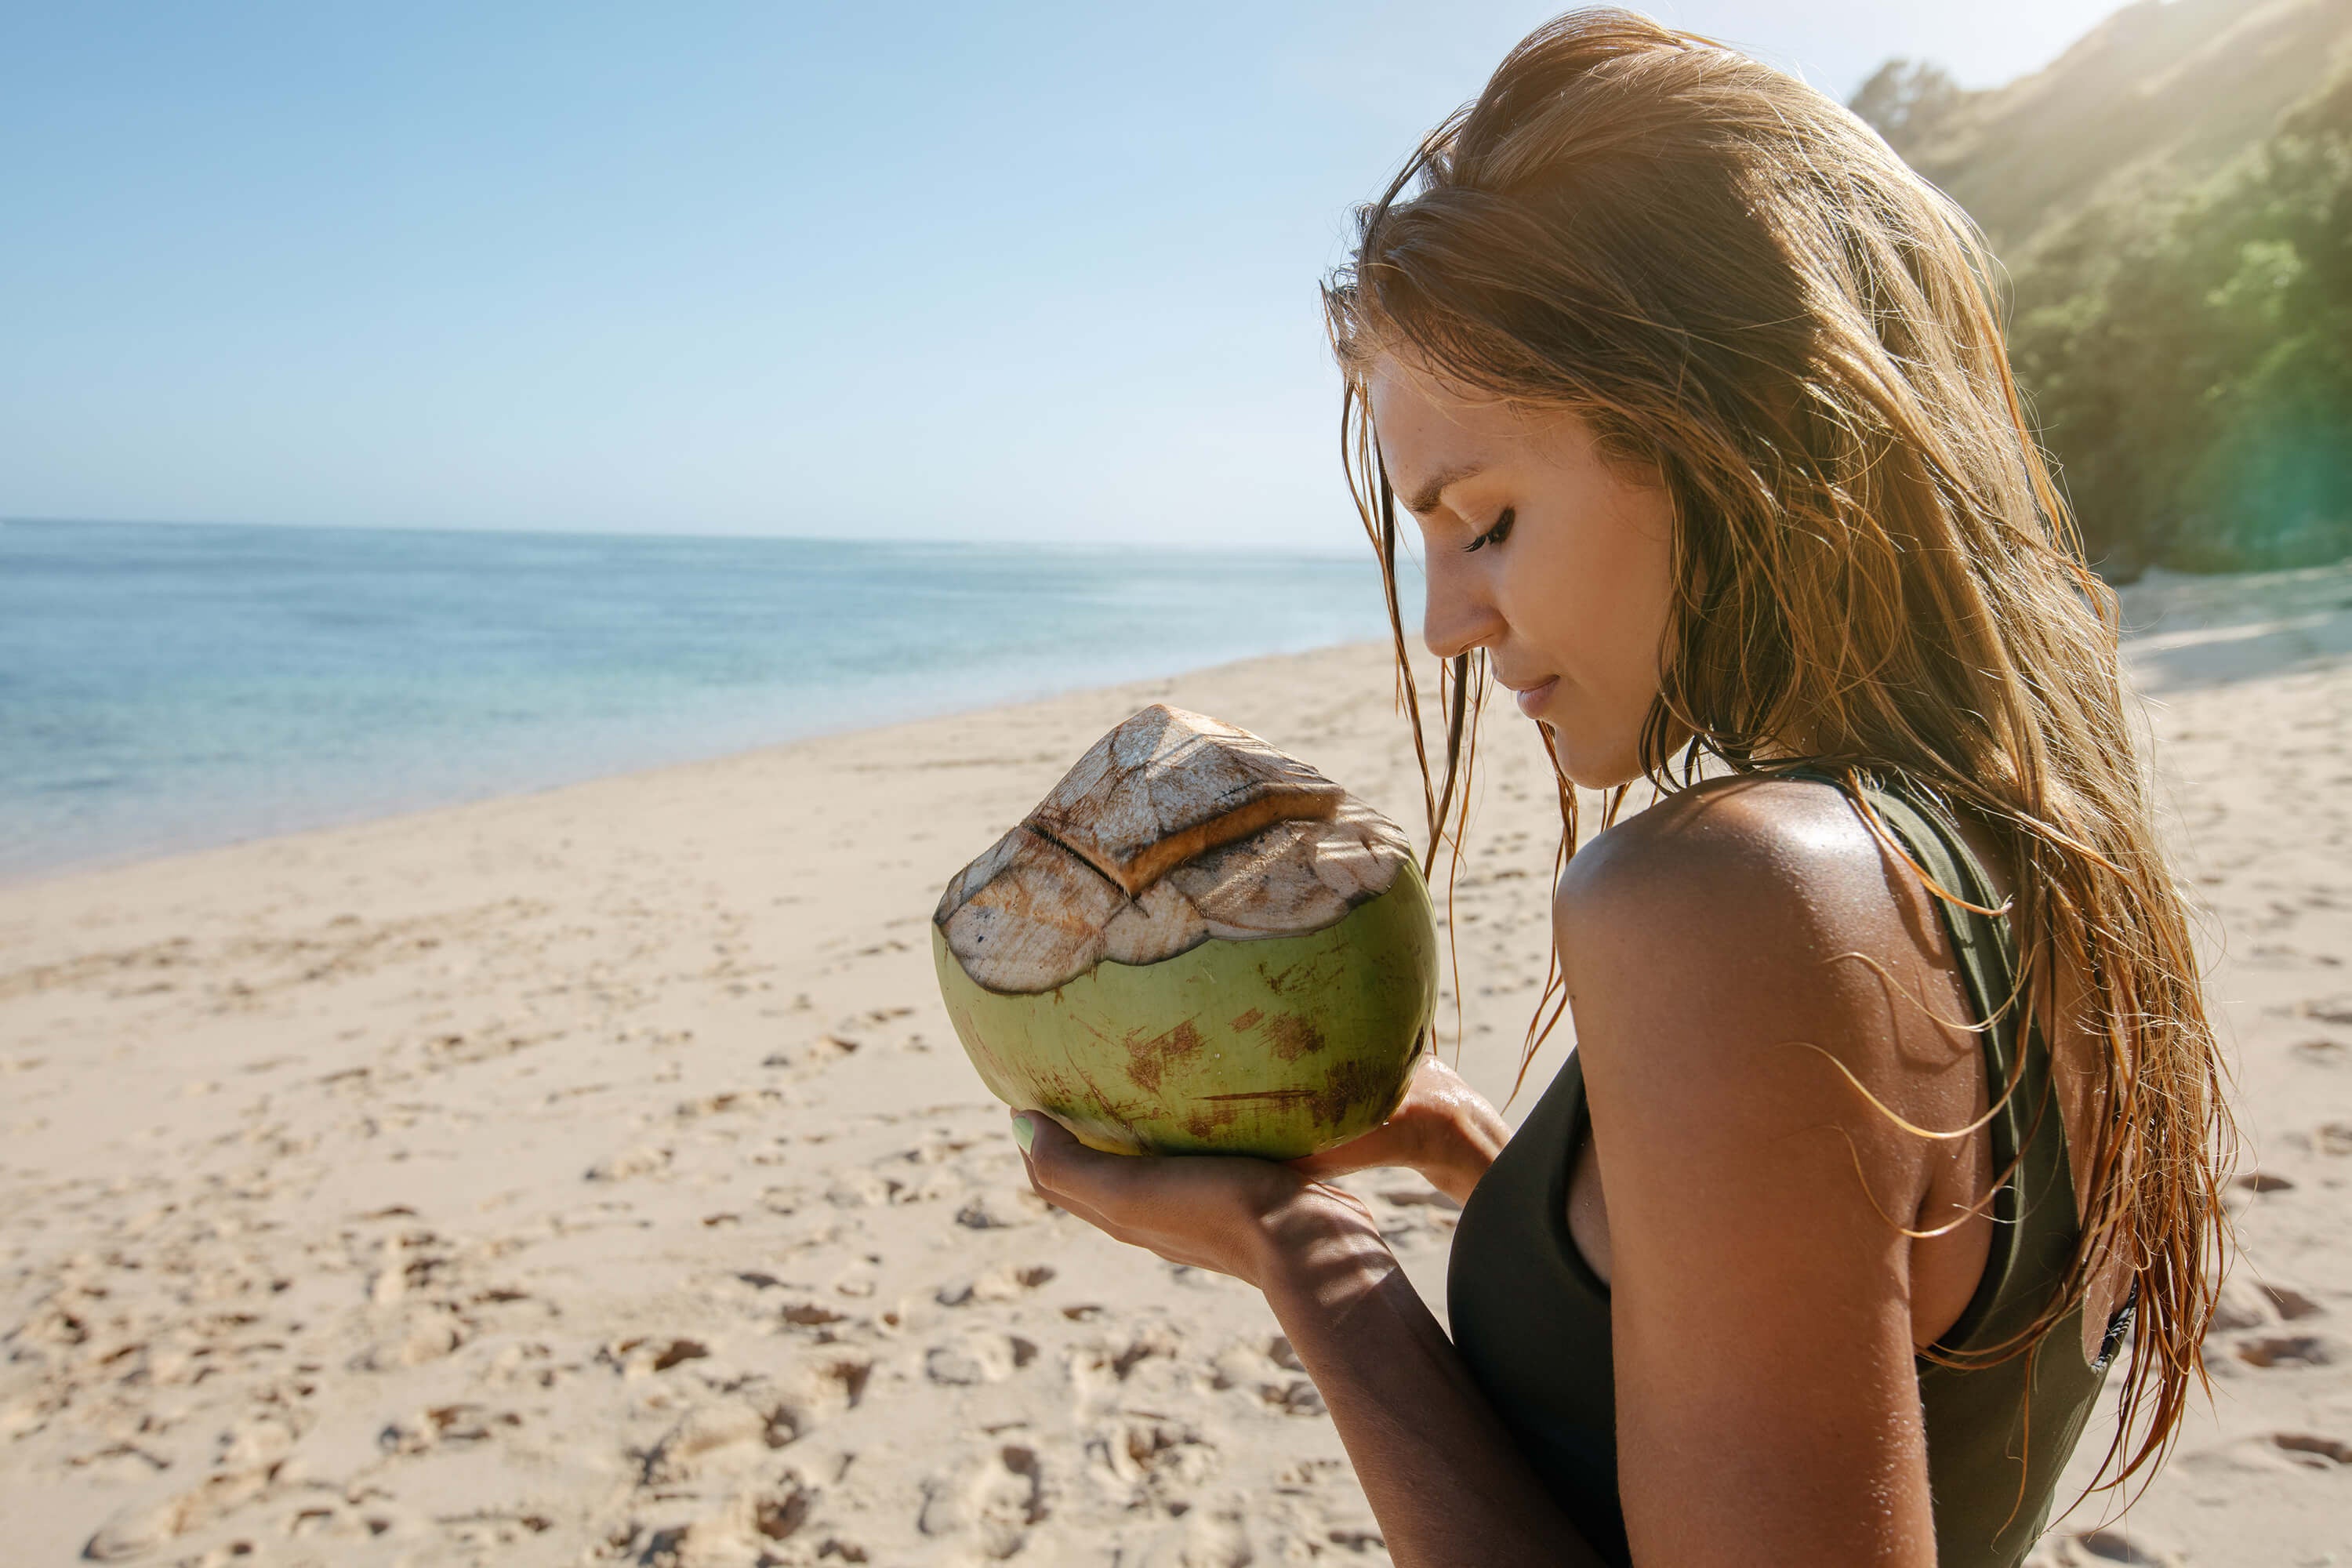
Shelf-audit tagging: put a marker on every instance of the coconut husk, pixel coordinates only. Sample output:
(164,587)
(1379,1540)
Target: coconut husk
(1172,829)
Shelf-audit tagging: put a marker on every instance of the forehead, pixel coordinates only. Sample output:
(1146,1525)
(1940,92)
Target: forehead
(1430,428)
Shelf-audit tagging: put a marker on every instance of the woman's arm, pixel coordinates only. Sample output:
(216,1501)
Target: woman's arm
(1729,951)
(1443,1476)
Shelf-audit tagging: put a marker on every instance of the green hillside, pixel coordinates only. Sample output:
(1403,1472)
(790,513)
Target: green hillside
(2173,198)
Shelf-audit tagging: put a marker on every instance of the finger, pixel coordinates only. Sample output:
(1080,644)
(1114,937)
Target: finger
(1060,1166)
(1390,1143)
(1328,1162)
(1046,1130)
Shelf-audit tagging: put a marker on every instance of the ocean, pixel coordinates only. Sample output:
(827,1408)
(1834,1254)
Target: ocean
(167,686)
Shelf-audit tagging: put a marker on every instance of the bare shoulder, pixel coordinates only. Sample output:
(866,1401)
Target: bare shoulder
(1731,861)
(1749,970)
(1745,914)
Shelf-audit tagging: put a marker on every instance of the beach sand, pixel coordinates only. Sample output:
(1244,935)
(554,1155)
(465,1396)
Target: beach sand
(593,1177)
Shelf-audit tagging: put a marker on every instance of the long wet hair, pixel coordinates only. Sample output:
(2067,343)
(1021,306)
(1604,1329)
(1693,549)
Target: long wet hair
(1749,297)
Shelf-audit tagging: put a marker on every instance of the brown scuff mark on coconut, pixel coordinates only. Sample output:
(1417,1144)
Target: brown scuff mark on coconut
(1206,1118)
(1347,1085)
(1307,975)
(1149,1059)
(1292,1096)
(1172,829)
(1292,1036)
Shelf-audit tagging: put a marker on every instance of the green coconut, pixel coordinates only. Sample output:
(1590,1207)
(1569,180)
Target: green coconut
(1195,943)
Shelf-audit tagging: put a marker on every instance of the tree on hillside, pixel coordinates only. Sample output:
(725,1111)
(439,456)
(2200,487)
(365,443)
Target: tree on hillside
(1904,100)
(2190,358)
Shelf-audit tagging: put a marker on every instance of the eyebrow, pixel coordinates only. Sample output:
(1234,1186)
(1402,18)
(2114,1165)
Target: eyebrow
(1427,498)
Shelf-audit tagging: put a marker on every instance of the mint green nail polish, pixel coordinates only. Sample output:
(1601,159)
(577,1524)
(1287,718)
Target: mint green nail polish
(1024,1132)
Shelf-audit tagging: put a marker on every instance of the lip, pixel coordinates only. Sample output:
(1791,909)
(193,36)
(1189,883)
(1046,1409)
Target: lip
(1531,697)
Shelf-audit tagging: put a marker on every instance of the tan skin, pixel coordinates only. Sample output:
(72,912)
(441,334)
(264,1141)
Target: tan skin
(1764,1311)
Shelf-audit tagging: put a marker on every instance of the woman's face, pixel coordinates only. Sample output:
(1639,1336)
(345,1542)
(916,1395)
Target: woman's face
(1555,561)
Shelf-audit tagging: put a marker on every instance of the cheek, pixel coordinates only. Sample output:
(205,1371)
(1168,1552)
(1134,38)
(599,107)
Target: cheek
(1598,610)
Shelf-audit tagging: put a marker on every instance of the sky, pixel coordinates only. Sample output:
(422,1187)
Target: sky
(1017,271)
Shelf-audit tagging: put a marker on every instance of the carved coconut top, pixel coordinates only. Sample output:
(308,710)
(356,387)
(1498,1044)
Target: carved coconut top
(1171,829)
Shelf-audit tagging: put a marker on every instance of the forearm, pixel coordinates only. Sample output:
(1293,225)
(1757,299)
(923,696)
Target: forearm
(1443,1478)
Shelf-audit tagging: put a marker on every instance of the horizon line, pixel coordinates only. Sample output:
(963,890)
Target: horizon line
(1173,547)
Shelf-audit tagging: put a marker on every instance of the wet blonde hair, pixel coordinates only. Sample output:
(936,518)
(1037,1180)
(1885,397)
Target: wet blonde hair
(1746,293)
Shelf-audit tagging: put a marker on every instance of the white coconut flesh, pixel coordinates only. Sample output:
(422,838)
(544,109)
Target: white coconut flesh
(1172,829)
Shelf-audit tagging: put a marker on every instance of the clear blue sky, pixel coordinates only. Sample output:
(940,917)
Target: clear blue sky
(1000,271)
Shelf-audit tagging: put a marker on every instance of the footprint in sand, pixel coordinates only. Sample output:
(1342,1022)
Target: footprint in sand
(777,1513)
(810,1315)
(996,1499)
(417,1332)
(2327,1010)
(2290,1304)
(1156,1455)
(1203,1538)
(641,1357)
(2286,1351)
(2104,1547)
(1098,1370)
(640,1160)
(977,1356)
(1270,1371)
(2240,1307)
(740,1532)
(698,1433)
(142,1527)
(2318,1453)
(1298,1397)
(1008,1283)
(1001,1210)
(819,1394)
(455,1424)
(862,1189)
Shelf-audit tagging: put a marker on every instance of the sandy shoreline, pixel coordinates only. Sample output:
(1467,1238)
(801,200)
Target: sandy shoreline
(593,1177)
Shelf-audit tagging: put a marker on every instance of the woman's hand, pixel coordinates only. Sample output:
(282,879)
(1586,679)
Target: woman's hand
(1443,1474)
(1442,1128)
(1254,1219)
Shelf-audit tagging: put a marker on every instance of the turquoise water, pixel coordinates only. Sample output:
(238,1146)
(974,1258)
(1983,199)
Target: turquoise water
(166,687)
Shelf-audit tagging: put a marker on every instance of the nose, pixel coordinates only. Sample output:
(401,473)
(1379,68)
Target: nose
(1458,614)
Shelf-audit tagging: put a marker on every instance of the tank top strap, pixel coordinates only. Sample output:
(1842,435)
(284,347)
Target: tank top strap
(2032,1205)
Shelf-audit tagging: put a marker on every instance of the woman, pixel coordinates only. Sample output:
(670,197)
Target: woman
(1894,1096)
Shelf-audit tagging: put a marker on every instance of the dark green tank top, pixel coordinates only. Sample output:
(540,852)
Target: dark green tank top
(1531,1319)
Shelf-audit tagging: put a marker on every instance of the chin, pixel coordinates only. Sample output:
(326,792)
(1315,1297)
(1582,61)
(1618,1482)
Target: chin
(1594,765)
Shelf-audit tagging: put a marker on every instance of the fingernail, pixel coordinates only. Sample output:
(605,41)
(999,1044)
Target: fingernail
(1024,1132)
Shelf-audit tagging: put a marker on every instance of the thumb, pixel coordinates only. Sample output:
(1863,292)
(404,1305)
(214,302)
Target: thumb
(1059,1163)
(1033,1128)
(1043,1141)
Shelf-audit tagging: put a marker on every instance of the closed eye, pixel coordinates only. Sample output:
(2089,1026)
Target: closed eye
(1496,534)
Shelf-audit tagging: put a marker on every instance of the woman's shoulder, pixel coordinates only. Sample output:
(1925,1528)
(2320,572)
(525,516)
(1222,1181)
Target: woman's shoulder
(1751,909)
(1729,851)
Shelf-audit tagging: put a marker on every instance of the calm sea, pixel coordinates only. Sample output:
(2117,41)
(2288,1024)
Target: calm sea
(169,687)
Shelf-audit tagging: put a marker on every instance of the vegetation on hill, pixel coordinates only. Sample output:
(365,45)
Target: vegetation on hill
(2181,311)
(2191,358)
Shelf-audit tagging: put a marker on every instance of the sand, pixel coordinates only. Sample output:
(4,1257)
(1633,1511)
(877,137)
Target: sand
(593,1177)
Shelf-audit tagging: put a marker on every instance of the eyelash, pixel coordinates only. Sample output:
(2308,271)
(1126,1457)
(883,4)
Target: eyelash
(1496,534)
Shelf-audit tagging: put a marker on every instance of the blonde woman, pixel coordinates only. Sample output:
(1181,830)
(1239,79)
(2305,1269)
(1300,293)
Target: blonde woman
(1894,1111)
